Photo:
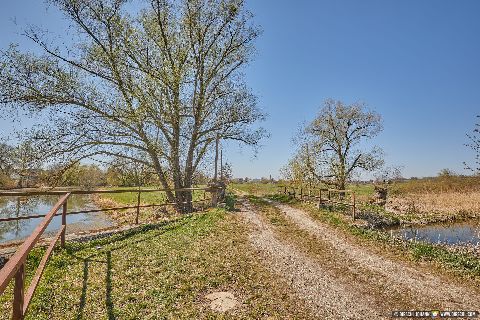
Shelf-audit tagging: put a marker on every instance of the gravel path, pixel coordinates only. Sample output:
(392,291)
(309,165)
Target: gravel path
(326,298)
(369,286)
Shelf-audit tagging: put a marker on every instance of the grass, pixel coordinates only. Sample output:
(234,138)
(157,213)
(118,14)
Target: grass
(258,189)
(145,198)
(435,207)
(440,184)
(159,271)
(127,216)
(362,190)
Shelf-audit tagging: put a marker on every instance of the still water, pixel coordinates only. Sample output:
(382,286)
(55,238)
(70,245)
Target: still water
(22,206)
(467,232)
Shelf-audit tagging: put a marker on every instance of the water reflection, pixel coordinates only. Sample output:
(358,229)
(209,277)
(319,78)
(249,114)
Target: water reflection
(447,233)
(33,205)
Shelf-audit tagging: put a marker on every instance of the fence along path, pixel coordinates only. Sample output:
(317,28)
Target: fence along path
(15,267)
(321,196)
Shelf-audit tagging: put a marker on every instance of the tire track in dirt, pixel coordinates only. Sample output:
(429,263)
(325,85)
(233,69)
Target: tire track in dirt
(326,297)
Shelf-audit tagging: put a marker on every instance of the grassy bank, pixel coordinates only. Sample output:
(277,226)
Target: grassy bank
(159,271)
(127,216)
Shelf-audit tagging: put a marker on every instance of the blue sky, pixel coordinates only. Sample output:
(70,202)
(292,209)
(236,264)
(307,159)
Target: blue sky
(417,63)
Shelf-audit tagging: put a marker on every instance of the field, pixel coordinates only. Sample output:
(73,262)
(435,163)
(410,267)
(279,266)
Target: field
(436,199)
(258,189)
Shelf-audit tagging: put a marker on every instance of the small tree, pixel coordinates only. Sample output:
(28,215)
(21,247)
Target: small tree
(445,173)
(385,178)
(298,169)
(474,144)
(7,165)
(226,172)
(331,149)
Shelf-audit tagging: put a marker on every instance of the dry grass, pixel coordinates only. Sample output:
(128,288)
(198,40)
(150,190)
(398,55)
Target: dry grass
(438,185)
(432,207)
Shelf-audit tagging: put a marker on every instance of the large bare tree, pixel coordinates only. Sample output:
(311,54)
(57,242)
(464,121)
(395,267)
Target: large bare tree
(332,146)
(155,87)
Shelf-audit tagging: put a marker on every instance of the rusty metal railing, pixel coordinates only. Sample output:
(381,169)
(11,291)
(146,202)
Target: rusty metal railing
(15,267)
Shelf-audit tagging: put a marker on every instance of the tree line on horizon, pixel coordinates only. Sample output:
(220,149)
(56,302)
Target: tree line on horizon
(19,169)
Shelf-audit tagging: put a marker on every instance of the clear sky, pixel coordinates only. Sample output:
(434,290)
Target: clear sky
(415,62)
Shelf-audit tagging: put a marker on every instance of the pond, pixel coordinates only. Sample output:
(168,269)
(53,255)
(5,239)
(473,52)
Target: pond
(33,205)
(458,233)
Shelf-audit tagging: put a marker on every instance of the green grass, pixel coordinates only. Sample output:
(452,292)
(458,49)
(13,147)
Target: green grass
(362,189)
(230,200)
(259,189)
(150,214)
(158,271)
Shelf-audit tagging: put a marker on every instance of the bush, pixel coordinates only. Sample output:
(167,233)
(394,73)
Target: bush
(230,200)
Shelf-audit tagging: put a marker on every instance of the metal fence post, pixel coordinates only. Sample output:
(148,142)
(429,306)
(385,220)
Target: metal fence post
(138,206)
(64,223)
(18,293)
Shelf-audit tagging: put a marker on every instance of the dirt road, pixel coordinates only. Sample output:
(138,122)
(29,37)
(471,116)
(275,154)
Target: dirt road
(344,280)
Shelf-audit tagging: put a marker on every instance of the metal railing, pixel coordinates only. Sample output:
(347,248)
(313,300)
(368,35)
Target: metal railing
(321,196)
(15,267)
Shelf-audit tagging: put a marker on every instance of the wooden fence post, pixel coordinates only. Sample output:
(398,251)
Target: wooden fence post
(320,198)
(64,223)
(138,206)
(18,293)
(204,199)
(301,193)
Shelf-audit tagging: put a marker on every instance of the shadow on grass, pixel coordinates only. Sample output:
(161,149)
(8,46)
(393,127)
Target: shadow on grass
(108,291)
(161,227)
(83,297)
